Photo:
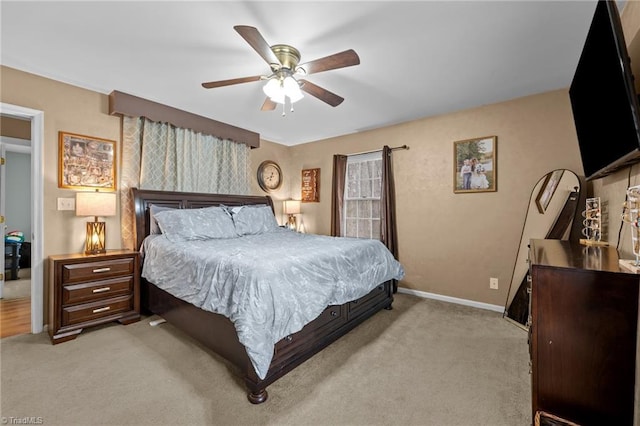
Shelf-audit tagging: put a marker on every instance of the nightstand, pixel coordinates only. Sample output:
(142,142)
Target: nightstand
(88,290)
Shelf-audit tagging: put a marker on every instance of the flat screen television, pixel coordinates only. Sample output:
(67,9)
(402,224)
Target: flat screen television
(603,98)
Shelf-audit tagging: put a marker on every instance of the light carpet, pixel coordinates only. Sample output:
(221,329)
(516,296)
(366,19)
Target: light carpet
(425,362)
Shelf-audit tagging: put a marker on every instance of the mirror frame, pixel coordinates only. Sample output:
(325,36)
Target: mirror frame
(547,184)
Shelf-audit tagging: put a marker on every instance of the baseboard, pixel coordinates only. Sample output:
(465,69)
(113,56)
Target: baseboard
(466,302)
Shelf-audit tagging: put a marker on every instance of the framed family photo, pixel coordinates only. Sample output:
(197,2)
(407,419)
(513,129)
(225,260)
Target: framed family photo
(474,165)
(86,162)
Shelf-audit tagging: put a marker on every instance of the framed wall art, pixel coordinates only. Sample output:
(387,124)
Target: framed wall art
(547,190)
(474,165)
(86,162)
(310,186)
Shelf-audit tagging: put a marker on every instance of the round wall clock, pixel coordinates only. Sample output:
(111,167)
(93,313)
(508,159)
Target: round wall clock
(269,176)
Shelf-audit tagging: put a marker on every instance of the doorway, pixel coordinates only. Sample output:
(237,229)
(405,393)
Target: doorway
(15,289)
(36,249)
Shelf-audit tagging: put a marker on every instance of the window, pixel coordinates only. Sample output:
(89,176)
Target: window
(362,196)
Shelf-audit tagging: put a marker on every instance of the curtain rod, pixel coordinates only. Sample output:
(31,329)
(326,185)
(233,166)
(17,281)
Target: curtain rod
(378,150)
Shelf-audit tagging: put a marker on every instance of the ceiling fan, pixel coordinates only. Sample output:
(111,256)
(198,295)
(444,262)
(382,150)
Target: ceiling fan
(282,83)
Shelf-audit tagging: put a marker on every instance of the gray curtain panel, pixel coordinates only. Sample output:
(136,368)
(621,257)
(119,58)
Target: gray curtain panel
(163,157)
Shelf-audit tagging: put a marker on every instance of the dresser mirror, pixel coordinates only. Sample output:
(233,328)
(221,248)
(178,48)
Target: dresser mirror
(553,205)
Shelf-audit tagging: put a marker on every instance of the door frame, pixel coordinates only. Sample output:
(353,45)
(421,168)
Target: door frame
(36,118)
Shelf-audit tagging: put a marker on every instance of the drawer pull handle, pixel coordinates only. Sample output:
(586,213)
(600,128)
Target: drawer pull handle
(334,314)
(98,270)
(106,308)
(101,289)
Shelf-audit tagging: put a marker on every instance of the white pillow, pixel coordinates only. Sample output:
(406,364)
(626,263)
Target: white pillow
(196,224)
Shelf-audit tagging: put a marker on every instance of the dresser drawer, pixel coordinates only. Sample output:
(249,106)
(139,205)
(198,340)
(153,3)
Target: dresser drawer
(86,271)
(94,290)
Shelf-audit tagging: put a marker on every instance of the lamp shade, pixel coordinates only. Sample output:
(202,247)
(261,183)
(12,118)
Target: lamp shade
(95,204)
(278,98)
(273,88)
(292,207)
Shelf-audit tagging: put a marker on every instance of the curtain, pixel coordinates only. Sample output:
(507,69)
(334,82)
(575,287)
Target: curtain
(163,157)
(129,178)
(388,231)
(337,193)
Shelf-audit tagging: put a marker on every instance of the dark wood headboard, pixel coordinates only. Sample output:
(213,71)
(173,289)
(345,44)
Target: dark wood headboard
(143,198)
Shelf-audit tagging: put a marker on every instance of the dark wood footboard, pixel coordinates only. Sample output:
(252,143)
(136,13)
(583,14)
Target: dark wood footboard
(217,332)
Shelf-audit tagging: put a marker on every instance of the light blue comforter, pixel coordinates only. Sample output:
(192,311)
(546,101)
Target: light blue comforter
(269,285)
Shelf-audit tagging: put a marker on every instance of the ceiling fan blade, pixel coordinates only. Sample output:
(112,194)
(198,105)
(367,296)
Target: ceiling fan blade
(344,59)
(323,94)
(255,39)
(221,83)
(268,105)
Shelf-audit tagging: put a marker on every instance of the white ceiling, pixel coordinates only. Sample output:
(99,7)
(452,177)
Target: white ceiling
(418,59)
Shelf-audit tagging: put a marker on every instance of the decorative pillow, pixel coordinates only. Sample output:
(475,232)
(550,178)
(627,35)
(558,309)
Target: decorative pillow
(153,225)
(196,224)
(251,220)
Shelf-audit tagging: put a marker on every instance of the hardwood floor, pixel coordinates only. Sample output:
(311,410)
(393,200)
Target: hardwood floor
(15,316)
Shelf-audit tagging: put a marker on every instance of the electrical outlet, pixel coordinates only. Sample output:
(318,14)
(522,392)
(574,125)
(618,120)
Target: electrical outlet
(66,203)
(493,283)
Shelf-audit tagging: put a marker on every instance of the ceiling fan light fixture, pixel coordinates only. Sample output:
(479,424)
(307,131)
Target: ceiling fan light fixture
(273,88)
(292,89)
(278,98)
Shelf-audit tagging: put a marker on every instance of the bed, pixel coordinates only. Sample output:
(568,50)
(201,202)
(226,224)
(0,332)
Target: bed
(181,296)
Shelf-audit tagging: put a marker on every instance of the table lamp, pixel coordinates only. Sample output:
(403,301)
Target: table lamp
(292,208)
(95,204)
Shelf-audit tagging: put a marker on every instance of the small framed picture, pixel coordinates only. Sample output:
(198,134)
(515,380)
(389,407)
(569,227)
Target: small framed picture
(86,162)
(474,165)
(547,190)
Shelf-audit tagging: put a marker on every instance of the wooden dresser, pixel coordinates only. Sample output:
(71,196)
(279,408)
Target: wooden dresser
(87,290)
(583,334)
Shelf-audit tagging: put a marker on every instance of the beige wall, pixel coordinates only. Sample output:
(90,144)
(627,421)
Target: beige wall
(449,243)
(15,128)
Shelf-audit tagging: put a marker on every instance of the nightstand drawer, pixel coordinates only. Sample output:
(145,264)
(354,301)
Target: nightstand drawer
(94,290)
(90,311)
(75,272)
